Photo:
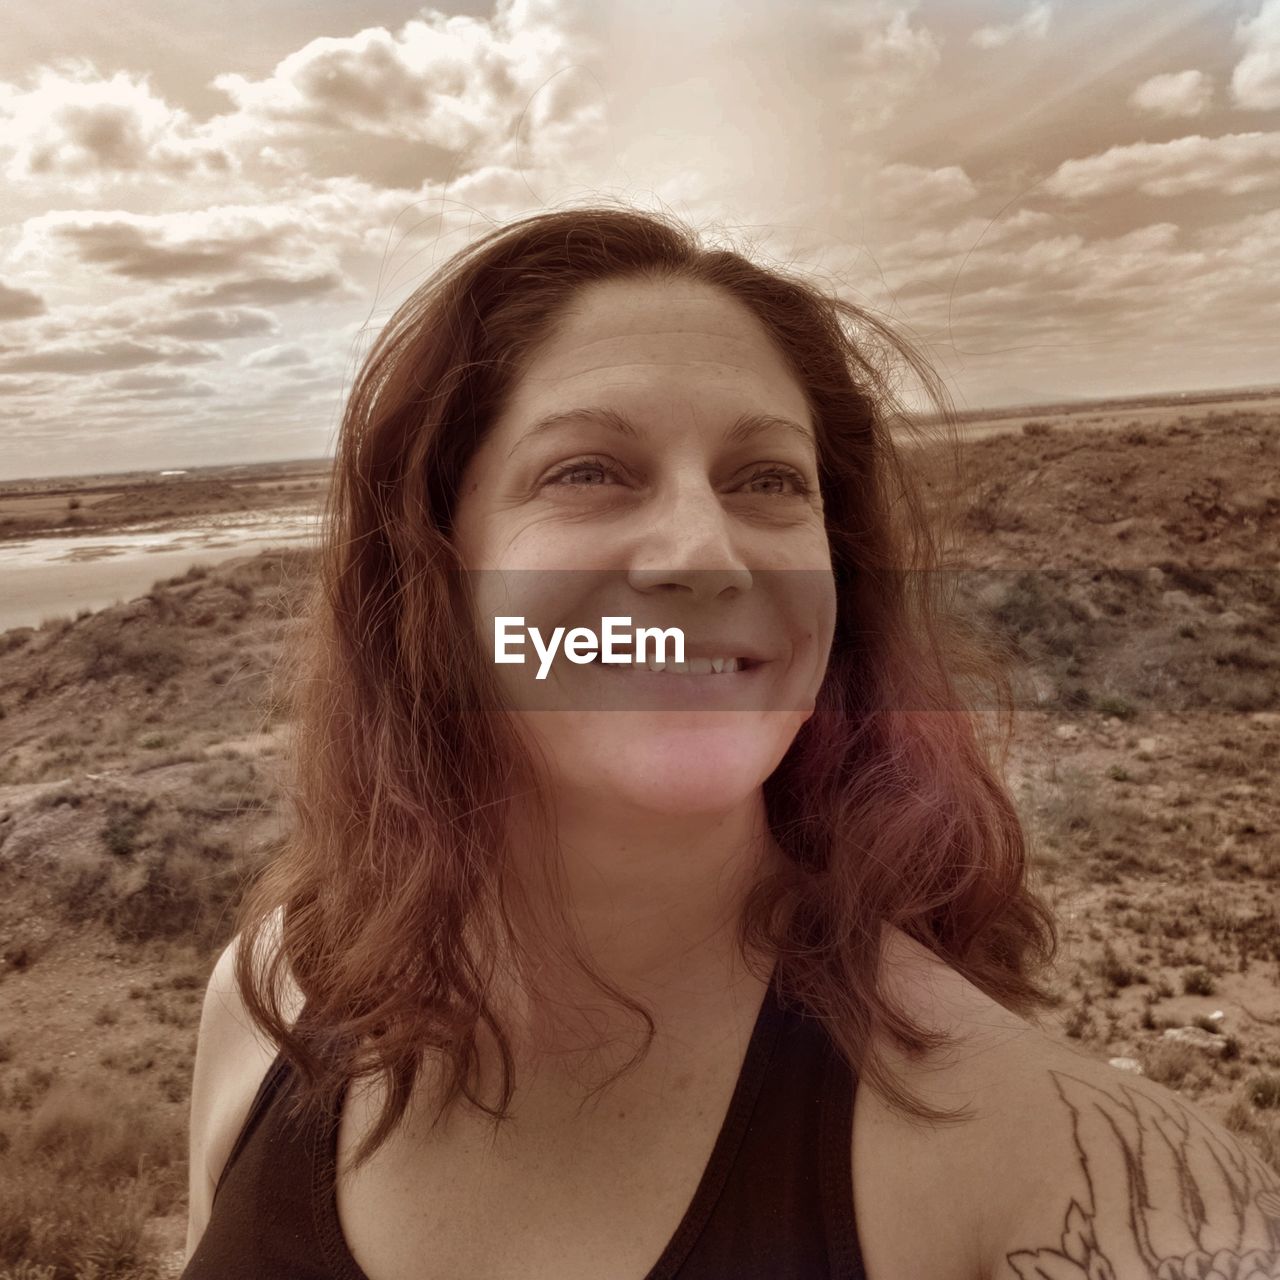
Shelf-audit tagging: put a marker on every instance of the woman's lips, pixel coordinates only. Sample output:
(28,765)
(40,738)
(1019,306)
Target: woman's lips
(680,689)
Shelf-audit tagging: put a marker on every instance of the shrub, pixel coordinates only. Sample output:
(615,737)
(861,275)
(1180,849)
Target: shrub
(123,828)
(1113,970)
(989,509)
(1264,1091)
(197,573)
(1198,982)
(1170,1063)
(152,656)
(78,1185)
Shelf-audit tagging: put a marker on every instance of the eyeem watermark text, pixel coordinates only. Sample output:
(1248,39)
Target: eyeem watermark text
(616,643)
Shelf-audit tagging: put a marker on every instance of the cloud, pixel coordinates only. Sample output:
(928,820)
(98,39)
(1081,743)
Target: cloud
(957,240)
(1034,25)
(454,82)
(1255,83)
(213,323)
(103,357)
(271,289)
(130,250)
(1192,299)
(909,190)
(267,254)
(277,356)
(1176,93)
(882,55)
(73,124)
(150,380)
(220,241)
(19,304)
(159,385)
(1234,164)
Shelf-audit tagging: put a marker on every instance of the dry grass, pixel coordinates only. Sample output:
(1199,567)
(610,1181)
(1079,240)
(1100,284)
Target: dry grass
(79,1182)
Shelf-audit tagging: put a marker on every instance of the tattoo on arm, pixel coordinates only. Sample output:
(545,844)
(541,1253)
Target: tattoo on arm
(1168,1199)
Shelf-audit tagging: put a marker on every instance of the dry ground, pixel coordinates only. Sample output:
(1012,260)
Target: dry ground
(1131,567)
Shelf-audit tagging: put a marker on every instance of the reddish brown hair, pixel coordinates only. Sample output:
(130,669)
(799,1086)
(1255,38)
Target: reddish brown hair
(386,895)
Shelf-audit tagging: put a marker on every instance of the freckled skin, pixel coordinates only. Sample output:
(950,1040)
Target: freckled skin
(675,527)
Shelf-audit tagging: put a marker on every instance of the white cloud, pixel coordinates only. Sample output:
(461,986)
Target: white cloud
(958,239)
(278,356)
(1234,164)
(1034,25)
(911,191)
(887,56)
(454,82)
(1255,83)
(1175,93)
(74,125)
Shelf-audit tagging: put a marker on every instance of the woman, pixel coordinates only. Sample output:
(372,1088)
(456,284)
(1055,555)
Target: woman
(796,875)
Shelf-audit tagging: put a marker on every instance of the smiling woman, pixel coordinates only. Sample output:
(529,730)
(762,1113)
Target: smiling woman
(797,876)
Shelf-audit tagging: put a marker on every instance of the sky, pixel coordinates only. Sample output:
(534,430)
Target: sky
(209,210)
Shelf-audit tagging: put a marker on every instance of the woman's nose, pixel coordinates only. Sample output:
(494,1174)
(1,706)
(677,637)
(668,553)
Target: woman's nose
(688,541)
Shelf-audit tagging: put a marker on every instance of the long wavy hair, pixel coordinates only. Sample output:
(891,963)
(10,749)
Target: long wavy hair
(386,903)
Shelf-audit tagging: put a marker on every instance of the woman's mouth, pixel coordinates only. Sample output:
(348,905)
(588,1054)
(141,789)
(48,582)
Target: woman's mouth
(693,667)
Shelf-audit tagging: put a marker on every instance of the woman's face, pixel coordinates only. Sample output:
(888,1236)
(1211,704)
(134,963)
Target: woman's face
(688,498)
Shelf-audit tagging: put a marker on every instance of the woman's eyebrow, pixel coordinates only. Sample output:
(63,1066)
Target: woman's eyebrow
(746,427)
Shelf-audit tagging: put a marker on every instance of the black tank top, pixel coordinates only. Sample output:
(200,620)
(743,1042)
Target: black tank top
(775,1201)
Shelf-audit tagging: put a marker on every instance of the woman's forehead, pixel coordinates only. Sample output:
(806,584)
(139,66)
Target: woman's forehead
(653,311)
(685,338)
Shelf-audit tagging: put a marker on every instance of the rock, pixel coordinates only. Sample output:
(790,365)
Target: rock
(1176,600)
(1067,732)
(1127,1064)
(1148,745)
(1196,1038)
(1268,718)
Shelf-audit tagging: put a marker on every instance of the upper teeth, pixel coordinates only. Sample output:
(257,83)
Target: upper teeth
(697,666)
(694,667)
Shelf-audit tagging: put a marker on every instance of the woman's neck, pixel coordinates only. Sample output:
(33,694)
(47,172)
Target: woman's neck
(656,901)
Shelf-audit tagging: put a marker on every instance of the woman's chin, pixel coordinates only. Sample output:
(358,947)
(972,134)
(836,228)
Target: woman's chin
(679,772)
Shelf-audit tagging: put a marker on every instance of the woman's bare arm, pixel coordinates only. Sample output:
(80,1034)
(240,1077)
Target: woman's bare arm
(1120,1178)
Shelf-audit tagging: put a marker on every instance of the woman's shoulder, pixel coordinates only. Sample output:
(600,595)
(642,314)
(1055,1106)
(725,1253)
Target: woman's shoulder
(1068,1166)
(232,1059)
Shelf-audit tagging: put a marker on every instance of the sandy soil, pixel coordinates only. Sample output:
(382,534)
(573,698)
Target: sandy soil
(1131,570)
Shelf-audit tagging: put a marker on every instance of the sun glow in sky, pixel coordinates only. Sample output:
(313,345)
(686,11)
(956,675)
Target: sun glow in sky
(210,210)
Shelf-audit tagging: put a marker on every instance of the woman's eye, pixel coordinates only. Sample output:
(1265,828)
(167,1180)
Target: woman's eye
(784,475)
(584,466)
(577,475)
